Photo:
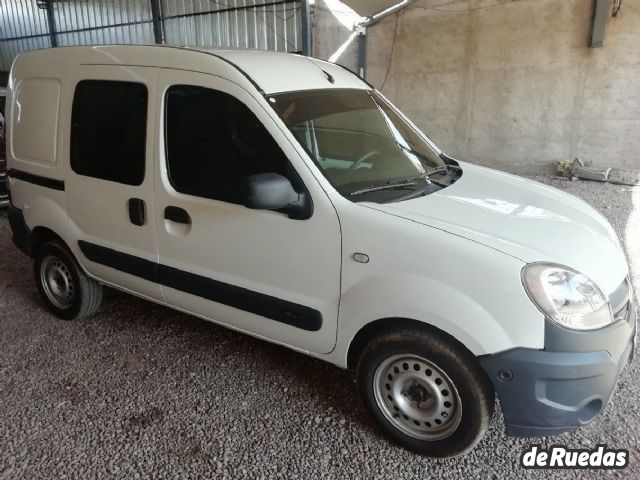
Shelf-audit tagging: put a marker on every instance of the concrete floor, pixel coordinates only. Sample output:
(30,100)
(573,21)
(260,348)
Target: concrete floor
(141,391)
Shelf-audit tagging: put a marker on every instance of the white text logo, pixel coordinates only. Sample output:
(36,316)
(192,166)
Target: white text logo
(558,456)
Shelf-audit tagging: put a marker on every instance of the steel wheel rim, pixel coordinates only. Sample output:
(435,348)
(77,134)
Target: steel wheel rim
(417,397)
(57,282)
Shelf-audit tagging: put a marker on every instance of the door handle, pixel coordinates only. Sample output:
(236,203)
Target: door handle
(137,211)
(177,214)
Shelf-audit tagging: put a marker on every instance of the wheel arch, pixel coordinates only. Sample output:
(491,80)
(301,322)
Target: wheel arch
(41,235)
(370,330)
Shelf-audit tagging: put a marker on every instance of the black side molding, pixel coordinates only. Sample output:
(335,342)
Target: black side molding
(267,306)
(19,229)
(120,261)
(284,311)
(36,179)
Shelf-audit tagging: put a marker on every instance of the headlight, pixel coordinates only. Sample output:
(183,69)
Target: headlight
(565,296)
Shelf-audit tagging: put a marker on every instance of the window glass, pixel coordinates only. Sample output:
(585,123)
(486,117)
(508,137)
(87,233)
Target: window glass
(364,148)
(108,130)
(214,142)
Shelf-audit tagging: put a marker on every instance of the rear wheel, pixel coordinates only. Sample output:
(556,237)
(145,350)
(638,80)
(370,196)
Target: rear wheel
(426,392)
(64,287)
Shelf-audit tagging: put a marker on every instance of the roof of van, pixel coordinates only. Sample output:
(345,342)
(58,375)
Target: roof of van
(269,72)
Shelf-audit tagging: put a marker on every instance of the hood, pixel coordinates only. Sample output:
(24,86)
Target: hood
(521,218)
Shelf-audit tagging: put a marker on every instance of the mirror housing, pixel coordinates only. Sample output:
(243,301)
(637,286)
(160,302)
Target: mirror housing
(272,191)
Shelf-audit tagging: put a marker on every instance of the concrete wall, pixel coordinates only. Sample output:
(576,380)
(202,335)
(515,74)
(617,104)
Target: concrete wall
(333,33)
(513,86)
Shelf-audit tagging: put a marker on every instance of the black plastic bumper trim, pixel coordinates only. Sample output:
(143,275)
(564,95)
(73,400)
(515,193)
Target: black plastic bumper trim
(21,233)
(296,315)
(545,392)
(36,179)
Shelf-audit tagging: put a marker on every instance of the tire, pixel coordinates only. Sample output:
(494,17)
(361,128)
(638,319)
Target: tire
(425,392)
(66,290)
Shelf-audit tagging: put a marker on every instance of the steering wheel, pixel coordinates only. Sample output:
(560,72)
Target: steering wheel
(354,166)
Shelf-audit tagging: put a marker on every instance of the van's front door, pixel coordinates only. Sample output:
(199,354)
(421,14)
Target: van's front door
(257,271)
(109,175)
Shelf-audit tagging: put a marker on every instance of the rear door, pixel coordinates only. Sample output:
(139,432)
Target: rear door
(109,175)
(255,270)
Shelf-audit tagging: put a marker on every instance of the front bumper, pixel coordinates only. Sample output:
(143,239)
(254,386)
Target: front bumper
(547,392)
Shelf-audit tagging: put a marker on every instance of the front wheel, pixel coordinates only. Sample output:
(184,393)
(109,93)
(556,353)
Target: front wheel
(64,287)
(426,392)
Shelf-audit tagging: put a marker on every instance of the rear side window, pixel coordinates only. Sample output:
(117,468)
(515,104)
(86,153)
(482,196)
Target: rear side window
(108,130)
(34,128)
(214,142)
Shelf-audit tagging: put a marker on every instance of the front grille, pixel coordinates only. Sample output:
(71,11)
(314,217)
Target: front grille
(621,301)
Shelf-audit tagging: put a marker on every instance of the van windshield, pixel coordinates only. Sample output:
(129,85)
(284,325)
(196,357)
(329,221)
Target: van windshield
(363,147)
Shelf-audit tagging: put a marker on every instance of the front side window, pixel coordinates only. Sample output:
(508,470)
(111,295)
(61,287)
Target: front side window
(109,130)
(214,142)
(363,147)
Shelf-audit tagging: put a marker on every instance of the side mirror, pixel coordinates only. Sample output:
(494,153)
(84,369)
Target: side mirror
(272,191)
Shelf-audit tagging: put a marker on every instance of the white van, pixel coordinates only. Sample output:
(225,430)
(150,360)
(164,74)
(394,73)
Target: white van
(284,197)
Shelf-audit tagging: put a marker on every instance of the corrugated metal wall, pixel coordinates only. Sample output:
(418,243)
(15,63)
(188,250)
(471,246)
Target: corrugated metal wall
(22,27)
(262,24)
(237,23)
(97,22)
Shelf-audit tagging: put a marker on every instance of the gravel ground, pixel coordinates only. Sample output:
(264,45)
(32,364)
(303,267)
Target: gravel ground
(141,391)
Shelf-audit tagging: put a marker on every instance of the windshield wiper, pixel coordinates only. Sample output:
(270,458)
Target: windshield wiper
(434,171)
(412,151)
(386,186)
(393,185)
(441,169)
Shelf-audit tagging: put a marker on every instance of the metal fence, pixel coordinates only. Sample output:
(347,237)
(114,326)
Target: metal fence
(262,24)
